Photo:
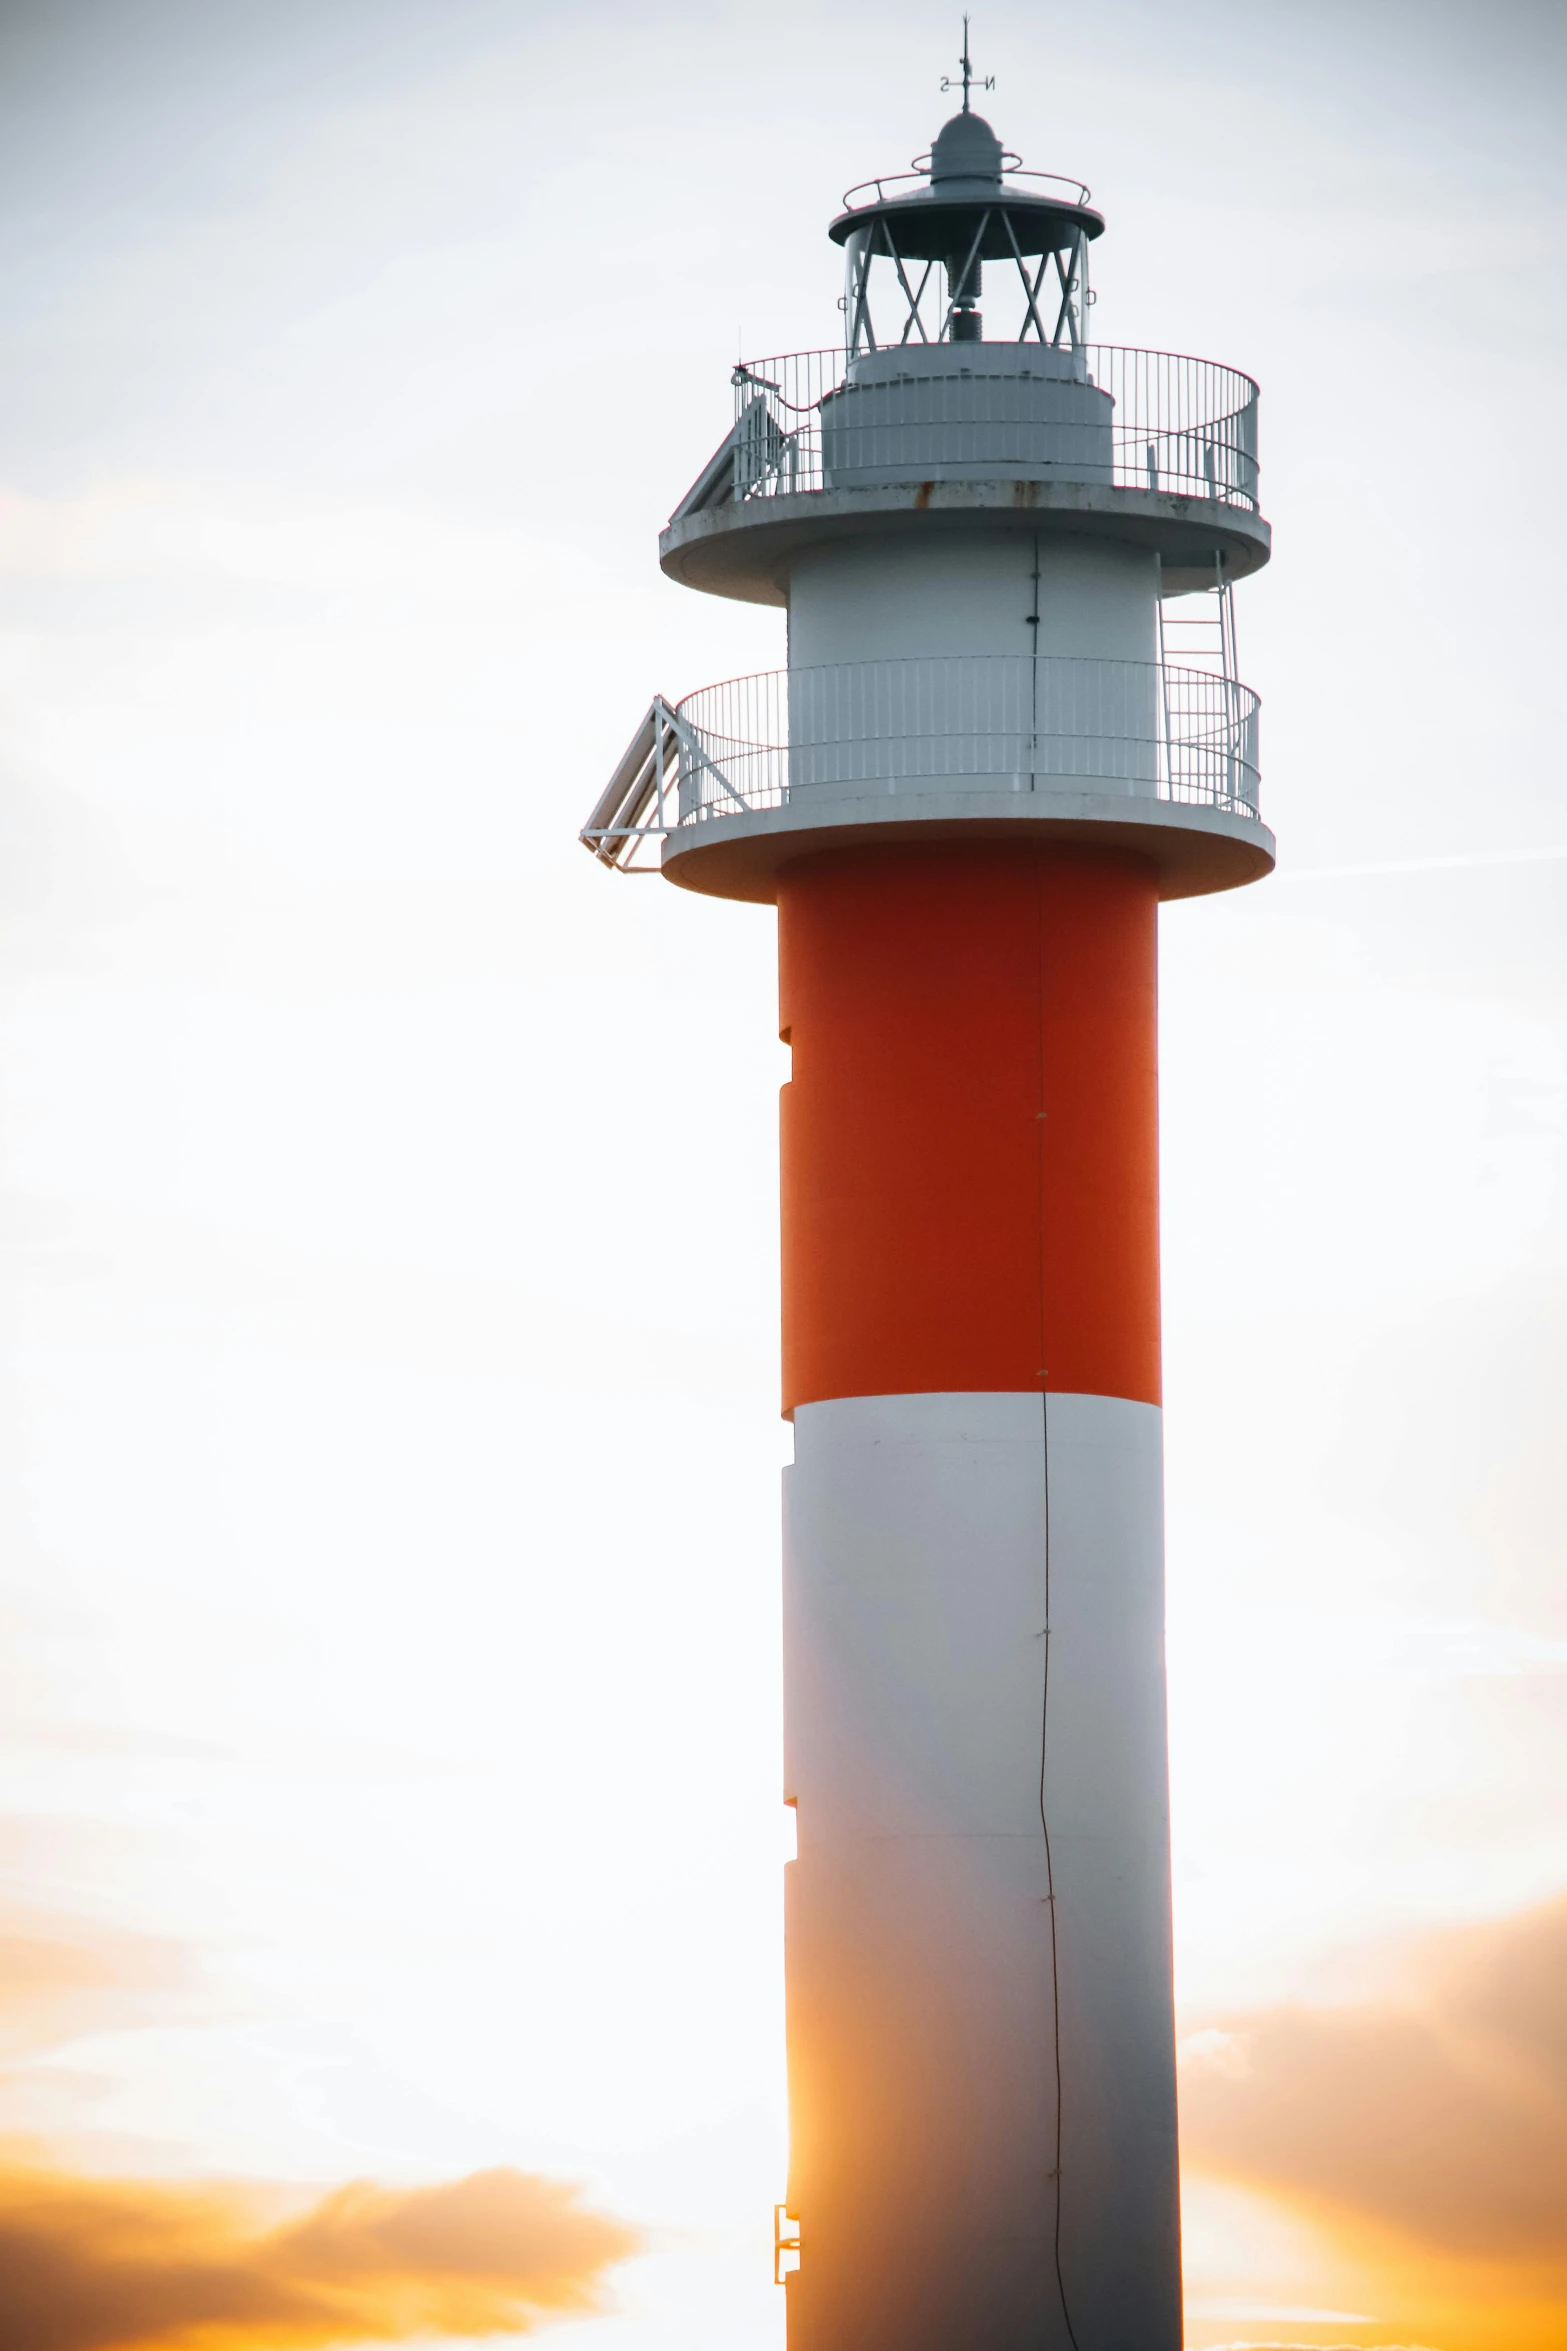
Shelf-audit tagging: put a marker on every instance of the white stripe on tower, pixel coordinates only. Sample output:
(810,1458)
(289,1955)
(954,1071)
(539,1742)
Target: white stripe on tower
(943,1553)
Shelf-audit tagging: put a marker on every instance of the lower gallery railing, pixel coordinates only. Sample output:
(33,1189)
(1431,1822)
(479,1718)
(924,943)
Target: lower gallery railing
(983,722)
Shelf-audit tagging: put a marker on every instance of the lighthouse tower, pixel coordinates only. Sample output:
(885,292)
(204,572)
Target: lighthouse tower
(1010,725)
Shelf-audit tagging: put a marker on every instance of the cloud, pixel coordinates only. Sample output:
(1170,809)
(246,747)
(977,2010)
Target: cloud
(65,1974)
(101,2264)
(63,1977)
(1442,2116)
(1414,2144)
(157,533)
(1235,2306)
(129,2265)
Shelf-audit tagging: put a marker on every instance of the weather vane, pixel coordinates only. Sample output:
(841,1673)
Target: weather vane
(966,84)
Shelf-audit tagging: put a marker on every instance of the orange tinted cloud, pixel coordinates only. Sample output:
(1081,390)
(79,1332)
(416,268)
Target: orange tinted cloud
(1427,2134)
(110,2265)
(64,1974)
(59,1978)
(95,2264)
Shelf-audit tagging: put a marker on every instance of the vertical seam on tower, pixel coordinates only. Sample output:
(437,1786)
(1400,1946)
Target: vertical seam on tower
(1036,623)
(1041,1123)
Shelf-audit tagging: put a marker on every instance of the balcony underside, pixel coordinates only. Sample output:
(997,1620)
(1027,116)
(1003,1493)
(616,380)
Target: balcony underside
(1197,850)
(745,550)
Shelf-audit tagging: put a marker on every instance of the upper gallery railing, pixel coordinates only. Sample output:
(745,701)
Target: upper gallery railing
(1186,426)
(1058,184)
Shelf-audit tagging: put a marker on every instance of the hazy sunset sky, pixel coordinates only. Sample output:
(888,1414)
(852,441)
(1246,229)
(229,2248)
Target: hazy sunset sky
(390,1833)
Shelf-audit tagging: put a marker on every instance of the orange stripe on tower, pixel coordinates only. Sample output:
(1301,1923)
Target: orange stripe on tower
(970,1134)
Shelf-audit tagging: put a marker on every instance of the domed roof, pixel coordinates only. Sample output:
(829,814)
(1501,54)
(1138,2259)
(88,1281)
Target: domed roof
(966,148)
(969,186)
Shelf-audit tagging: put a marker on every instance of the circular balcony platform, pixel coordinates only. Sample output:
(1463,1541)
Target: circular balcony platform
(745,776)
(745,548)
(1151,448)
(1196,850)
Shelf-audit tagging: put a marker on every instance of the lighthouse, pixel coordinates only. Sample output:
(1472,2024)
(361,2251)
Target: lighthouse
(1009,727)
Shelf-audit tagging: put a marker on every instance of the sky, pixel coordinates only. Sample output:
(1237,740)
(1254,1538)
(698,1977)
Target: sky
(390,1823)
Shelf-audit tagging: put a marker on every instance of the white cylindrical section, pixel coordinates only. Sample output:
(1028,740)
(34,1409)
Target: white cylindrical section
(965,412)
(941,1551)
(973,592)
(991,661)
